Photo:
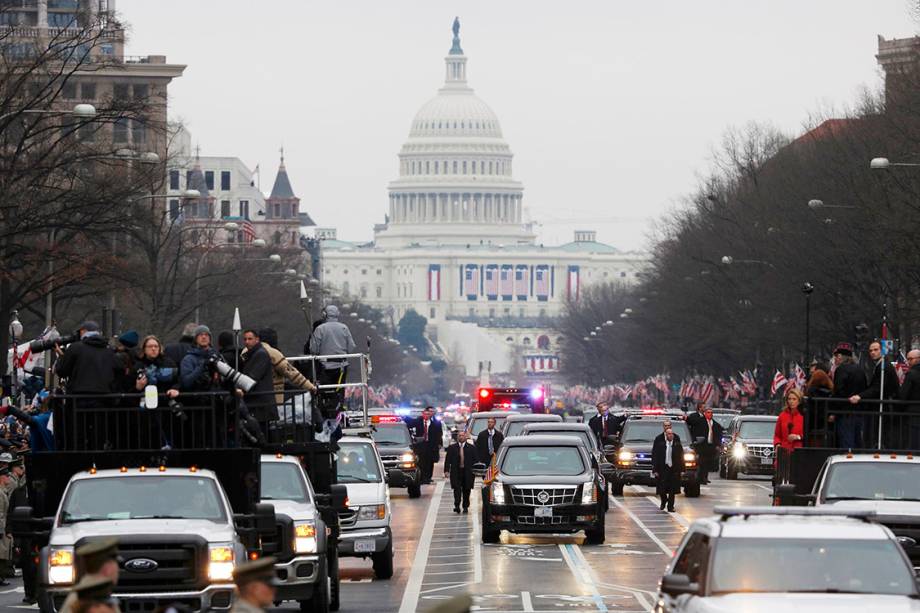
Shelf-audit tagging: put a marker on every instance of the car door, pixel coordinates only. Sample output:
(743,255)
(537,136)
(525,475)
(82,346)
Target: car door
(692,560)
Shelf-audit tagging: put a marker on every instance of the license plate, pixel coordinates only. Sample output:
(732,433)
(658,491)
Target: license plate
(365,546)
(543,512)
(766,460)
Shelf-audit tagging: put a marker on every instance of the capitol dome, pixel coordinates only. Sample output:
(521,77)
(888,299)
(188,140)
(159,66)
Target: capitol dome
(455,180)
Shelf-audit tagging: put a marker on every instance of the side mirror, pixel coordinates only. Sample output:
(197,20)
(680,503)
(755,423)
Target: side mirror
(339,495)
(606,467)
(784,494)
(265,519)
(676,585)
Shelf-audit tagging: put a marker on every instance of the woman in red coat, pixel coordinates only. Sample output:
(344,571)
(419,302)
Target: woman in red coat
(790,426)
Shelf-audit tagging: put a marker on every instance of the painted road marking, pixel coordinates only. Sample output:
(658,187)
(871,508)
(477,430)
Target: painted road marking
(643,527)
(414,584)
(582,575)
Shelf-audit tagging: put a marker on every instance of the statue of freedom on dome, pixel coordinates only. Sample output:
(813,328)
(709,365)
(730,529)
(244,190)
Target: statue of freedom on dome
(455,49)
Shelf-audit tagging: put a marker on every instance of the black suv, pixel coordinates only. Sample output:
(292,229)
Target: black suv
(633,454)
(748,447)
(394,444)
(544,484)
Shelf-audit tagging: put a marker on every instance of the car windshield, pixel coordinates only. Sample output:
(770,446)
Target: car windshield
(646,431)
(810,565)
(872,481)
(147,497)
(724,419)
(392,434)
(478,424)
(357,463)
(542,461)
(757,429)
(283,481)
(580,434)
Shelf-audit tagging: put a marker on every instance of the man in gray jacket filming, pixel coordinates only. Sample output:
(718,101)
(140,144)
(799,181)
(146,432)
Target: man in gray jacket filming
(332,338)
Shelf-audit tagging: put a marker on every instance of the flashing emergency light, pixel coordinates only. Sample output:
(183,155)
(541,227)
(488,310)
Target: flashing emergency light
(403,411)
(484,393)
(385,419)
(536,393)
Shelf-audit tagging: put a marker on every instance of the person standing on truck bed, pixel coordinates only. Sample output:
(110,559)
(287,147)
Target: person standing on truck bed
(255,363)
(195,372)
(88,364)
(849,380)
(331,338)
(910,390)
(99,560)
(874,391)
(255,582)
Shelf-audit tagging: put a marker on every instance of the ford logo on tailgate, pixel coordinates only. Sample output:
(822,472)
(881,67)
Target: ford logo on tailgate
(141,565)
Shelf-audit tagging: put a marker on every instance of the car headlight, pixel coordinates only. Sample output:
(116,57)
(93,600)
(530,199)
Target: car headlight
(738,451)
(374,511)
(304,537)
(625,456)
(588,493)
(60,566)
(221,562)
(689,457)
(407,457)
(498,492)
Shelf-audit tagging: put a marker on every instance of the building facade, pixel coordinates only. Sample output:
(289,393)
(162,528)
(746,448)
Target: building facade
(454,246)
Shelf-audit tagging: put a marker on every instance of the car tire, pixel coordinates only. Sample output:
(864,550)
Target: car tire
(383,562)
(415,490)
(597,534)
(319,603)
(489,534)
(617,488)
(731,473)
(692,490)
(335,583)
(722,471)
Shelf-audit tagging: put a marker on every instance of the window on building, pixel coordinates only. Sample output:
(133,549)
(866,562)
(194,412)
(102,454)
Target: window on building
(464,166)
(225,180)
(379,292)
(491,313)
(472,312)
(138,131)
(225,208)
(87,91)
(363,271)
(364,291)
(209,179)
(432,313)
(379,272)
(276,210)
(69,90)
(525,341)
(173,179)
(507,312)
(623,275)
(120,131)
(345,288)
(455,166)
(277,238)
(244,209)
(435,168)
(141,91)
(173,210)
(490,167)
(521,311)
(188,179)
(120,91)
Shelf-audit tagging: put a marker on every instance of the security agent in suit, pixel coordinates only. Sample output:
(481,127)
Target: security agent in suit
(429,434)
(488,441)
(667,466)
(458,467)
(604,425)
(707,435)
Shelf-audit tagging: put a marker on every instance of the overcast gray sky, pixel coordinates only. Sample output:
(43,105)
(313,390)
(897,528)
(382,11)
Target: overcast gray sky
(612,108)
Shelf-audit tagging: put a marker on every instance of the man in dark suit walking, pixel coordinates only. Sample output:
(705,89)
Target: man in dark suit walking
(667,467)
(604,425)
(458,467)
(488,441)
(429,434)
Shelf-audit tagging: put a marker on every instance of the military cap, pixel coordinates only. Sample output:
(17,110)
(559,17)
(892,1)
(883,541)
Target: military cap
(6,457)
(98,550)
(262,569)
(94,588)
(4,471)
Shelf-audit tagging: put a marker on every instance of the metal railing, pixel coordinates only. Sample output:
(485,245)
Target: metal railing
(870,424)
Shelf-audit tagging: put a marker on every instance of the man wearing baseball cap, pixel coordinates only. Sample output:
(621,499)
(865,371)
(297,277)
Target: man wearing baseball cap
(256,585)
(99,559)
(849,380)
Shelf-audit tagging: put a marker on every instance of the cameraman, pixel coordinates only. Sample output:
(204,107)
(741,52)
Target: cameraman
(332,337)
(196,372)
(88,364)
(256,363)
(155,368)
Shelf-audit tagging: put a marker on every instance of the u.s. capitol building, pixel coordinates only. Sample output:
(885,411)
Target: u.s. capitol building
(455,247)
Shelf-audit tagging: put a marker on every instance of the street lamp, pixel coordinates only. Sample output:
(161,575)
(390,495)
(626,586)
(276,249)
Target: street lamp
(885,164)
(807,289)
(80,111)
(729,260)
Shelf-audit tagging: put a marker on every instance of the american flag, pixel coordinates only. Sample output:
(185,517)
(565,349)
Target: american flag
(507,282)
(800,378)
(901,367)
(521,279)
(491,472)
(248,230)
(491,285)
(683,389)
(778,381)
(541,282)
(748,384)
(706,391)
(471,281)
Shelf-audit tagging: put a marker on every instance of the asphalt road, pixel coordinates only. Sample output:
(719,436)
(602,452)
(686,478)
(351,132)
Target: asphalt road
(438,554)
